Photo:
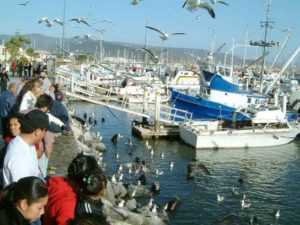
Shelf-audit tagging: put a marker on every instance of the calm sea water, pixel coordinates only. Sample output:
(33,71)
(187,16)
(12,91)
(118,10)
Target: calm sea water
(271,175)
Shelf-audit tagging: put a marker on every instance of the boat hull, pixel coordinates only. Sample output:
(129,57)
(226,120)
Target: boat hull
(203,109)
(252,138)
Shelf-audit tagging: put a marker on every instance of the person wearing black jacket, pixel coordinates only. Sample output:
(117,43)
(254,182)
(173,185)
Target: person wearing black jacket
(3,79)
(93,187)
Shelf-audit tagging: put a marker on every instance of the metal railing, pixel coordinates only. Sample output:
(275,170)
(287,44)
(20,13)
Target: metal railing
(107,97)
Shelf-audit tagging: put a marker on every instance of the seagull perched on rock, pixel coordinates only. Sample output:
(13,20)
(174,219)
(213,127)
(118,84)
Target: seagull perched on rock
(24,4)
(135,2)
(193,5)
(164,36)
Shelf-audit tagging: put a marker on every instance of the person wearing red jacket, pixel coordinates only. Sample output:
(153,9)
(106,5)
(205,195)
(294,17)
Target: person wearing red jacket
(64,191)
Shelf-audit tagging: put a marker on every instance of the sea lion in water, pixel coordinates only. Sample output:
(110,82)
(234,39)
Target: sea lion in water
(229,219)
(203,169)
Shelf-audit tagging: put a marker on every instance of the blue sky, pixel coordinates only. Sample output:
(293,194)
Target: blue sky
(167,15)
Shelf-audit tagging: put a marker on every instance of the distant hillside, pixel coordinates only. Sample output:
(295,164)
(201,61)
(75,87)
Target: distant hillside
(112,49)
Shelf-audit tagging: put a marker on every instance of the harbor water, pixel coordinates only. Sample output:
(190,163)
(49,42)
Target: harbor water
(271,176)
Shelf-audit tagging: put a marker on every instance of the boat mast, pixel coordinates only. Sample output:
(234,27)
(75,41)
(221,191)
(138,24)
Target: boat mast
(266,24)
(63,30)
(212,46)
(145,56)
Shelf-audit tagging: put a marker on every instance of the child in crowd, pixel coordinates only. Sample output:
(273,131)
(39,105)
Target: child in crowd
(23,201)
(92,190)
(63,191)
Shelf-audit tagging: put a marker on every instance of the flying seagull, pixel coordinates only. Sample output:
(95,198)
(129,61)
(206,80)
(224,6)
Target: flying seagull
(151,55)
(107,21)
(46,21)
(24,4)
(80,20)
(193,5)
(198,17)
(164,36)
(58,21)
(135,2)
(218,1)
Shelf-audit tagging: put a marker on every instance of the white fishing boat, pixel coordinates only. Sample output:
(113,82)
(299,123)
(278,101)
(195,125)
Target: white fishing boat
(266,129)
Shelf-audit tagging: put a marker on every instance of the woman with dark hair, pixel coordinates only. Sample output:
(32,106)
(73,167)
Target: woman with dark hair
(92,190)
(63,191)
(23,202)
(14,124)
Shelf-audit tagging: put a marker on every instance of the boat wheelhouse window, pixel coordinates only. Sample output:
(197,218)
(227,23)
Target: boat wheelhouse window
(208,91)
(249,100)
(256,101)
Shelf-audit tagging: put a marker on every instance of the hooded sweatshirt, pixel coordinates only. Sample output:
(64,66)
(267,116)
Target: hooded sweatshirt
(61,203)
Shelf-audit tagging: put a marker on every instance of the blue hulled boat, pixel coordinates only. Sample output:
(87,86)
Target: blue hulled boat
(219,96)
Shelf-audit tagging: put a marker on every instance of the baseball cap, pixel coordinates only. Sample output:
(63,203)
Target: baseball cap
(37,119)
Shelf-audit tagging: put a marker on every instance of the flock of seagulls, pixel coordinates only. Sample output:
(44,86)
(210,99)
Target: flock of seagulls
(194,168)
(137,173)
(50,23)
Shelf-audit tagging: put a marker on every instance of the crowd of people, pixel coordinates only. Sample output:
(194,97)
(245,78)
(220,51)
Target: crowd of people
(29,118)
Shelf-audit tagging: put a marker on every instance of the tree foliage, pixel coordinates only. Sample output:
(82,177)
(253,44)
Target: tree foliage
(81,58)
(14,45)
(31,53)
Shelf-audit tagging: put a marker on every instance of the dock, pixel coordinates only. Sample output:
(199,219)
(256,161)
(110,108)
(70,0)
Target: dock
(148,132)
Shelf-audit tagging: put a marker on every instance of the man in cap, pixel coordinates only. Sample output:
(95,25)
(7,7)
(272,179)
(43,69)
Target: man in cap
(21,157)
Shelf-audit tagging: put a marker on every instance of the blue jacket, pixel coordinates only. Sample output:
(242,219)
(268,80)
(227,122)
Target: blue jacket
(7,104)
(59,111)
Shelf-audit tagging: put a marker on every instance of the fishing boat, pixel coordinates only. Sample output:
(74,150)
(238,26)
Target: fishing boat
(219,95)
(266,128)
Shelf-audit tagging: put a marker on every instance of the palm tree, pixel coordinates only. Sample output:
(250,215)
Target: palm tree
(13,46)
(31,53)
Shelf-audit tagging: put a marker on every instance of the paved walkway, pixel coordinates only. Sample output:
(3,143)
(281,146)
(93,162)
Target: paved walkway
(64,150)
